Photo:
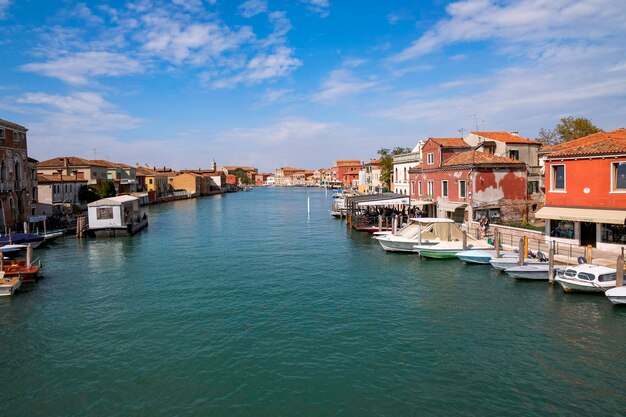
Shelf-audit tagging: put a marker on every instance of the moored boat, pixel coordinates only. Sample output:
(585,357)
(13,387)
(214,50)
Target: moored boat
(538,272)
(19,267)
(419,231)
(21,238)
(482,257)
(504,263)
(449,250)
(8,285)
(587,278)
(617,295)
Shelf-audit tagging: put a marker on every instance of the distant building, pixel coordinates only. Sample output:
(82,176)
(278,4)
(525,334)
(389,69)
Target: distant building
(124,176)
(261,179)
(347,171)
(283,177)
(373,184)
(18,190)
(58,193)
(401,165)
(586,191)
(93,172)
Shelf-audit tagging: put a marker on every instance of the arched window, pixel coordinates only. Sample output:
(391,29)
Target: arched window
(396,179)
(404,173)
(3,171)
(17,170)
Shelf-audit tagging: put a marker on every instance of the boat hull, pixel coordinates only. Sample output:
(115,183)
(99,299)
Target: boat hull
(617,295)
(438,254)
(396,245)
(570,285)
(8,286)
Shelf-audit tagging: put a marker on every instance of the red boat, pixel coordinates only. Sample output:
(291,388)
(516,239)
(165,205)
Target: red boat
(17,267)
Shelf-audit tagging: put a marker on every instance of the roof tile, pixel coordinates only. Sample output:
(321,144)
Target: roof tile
(507,137)
(601,143)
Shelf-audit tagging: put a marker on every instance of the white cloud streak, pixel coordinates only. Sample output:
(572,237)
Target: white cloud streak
(252,8)
(4,5)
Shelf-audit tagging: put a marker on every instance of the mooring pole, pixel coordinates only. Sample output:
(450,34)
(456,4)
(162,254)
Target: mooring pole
(520,259)
(551,264)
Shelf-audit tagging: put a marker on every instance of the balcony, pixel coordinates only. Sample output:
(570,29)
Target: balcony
(6,186)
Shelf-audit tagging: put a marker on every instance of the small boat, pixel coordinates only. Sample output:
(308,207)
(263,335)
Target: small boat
(12,248)
(617,295)
(420,231)
(21,238)
(537,272)
(587,278)
(449,250)
(503,264)
(18,267)
(8,285)
(482,257)
(52,234)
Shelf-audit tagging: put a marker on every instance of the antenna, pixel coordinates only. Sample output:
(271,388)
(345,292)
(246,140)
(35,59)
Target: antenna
(475,120)
(95,155)
(462,131)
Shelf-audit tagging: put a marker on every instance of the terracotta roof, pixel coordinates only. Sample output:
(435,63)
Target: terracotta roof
(451,142)
(73,161)
(348,162)
(43,178)
(373,162)
(478,158)
(507,137)
(235,167)
(12,126)
(145,171)
(601,143)
(109,164)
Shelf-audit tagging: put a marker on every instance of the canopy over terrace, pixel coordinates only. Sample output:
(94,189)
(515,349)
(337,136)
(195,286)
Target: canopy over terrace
(364,210)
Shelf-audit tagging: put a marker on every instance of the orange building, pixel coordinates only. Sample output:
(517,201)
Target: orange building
(585,183)
(347,171)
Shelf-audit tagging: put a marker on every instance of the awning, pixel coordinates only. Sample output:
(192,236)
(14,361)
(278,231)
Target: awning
(421,202)
(450,206)
(582,215)
(387,202)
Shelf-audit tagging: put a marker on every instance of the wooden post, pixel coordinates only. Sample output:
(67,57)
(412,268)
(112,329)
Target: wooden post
(464,240)
(619,279)
(25,227)
(386,223)
(380,223)
(496,241)
(520,259)
(551,264)
(394,225)
(45,227)
(419,233)
(29,254)
(10,236)
(525,246)
(589,254)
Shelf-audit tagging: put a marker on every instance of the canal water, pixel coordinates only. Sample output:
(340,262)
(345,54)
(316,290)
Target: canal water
(242,305)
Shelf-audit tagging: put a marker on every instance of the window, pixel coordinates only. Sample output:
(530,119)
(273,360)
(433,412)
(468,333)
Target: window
(16,137)
(462,191)
(430,158)
(533,187)
(562,228)
(2,134)
(619,176)
(613,233)
(419,188)
(607,277)
(514,154)
(431,188)
(395,179)
(150,181)
(405,174)
(558,177)
(444,188)
(104,213)
(412,187)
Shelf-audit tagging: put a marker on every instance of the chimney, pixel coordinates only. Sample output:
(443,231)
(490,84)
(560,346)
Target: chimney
(515,133)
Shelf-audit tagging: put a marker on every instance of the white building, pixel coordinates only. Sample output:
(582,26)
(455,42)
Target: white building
(401,165)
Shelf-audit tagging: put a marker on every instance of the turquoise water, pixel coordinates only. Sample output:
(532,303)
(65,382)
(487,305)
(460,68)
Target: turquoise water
(238,305)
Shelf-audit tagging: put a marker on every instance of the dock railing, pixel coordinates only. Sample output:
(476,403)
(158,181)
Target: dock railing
(540,244)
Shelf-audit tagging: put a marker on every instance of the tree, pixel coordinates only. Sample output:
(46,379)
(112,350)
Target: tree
(569,128)
(87,194)
(386,163)
(106,189)
(242,175)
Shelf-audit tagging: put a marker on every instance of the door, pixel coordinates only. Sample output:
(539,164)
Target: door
(588,234)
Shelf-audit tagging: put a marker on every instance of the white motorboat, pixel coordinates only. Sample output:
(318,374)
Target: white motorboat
(503,264)
(419,231)
(338,207)
(450,249)
(8,285)
(587,278)
(482,257)
(617,295)
(532,272)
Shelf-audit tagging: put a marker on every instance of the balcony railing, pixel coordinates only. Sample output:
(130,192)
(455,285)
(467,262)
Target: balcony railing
(6,186)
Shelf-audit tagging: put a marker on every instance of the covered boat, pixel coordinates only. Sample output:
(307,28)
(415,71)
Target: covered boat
(482,257)
(587,278)
(449,249)
(536,271)
(419,231)
(617,295)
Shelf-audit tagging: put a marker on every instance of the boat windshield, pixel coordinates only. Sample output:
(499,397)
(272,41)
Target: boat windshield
(586,276)
(607,277)
(570,273)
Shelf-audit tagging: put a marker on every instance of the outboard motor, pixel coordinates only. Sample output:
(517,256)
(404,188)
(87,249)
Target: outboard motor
(541,257)
(581,260)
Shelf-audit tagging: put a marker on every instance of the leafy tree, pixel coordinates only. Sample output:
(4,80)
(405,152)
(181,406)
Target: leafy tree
(569,128)
(242,175)
(87,194)
(106,189)
(386,163)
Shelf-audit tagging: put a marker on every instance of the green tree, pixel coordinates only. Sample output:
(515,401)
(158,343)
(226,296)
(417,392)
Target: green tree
(569,128)
(87,194)
(242,175)
(386,163)
(106,189)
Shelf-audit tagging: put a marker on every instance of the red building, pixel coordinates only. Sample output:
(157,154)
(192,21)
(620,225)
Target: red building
(261,179)
(347,171)
(585,183)
(232,180)
(456,182)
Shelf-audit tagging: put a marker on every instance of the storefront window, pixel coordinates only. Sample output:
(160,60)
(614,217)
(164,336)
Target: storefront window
(614,233)
(562,228)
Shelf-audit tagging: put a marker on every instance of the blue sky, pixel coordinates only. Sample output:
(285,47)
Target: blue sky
(301,82)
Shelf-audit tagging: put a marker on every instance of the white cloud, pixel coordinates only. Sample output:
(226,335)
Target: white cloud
(318,6)
(79,67)
(4,5)
(251,8)
(520,21)
(189,5)
(261,67)
(274,96)
(342,82)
